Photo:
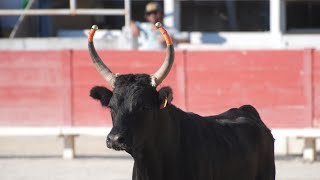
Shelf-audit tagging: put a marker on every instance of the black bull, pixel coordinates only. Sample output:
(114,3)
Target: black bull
(170,144)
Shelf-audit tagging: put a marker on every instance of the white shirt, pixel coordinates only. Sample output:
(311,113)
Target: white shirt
(149,39)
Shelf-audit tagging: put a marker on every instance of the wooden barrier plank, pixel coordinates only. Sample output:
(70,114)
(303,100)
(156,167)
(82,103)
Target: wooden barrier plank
(46,88)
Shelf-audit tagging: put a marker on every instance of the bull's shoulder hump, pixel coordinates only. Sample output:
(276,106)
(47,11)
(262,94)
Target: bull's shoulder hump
(250,110)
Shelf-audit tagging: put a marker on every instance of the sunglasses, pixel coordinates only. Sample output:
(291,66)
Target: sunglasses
(151,12)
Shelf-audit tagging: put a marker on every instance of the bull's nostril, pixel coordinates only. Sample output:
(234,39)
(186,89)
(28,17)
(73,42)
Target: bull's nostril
(115,139)
(120,140)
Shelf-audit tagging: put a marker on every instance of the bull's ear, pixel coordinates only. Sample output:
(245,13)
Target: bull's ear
(165,96)
(101,93)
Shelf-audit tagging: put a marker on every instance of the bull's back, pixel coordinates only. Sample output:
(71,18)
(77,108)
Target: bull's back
(247,111)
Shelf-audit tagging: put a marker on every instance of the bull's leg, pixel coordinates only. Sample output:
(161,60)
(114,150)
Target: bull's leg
(134,173)
(267,170)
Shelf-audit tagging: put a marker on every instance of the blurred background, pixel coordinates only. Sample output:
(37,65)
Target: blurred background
(259,52)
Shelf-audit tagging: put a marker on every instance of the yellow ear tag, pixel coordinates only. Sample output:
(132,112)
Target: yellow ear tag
(164,104)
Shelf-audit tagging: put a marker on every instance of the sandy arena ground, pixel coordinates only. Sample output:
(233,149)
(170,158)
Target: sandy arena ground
(38,158)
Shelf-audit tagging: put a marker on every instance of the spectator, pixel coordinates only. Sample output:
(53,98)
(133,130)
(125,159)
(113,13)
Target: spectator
(148,36)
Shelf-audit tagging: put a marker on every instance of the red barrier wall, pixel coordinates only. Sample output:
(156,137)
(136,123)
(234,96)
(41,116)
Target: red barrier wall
(272,81)
(51,88)
(35,88)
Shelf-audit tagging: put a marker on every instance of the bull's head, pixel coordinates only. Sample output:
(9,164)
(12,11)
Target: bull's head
(134,102)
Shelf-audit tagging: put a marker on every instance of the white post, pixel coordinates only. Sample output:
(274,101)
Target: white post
(73,6)
(127,41)
(68,147)
(127,7)
(172,14)
(277,19)
(309,150)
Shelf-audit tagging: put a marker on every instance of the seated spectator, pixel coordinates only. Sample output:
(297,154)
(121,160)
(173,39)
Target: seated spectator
(148,36)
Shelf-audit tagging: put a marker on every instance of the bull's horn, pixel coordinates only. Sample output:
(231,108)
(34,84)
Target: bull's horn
(100,66)
(164,70)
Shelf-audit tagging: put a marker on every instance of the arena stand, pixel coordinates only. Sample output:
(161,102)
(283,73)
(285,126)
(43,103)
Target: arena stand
(46,93)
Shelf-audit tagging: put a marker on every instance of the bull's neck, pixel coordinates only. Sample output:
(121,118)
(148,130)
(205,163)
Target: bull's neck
(160,156)
(168,128)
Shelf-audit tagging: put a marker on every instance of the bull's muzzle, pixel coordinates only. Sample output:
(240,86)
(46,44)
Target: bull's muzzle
(116,142)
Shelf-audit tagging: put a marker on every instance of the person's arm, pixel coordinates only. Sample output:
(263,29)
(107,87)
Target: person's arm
(175,40)
(180,40)
(134,29)
(180,37)
(177,37)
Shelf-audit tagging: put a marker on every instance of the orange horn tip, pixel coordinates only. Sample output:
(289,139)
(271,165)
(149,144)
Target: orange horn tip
(94,28)
(165,34)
